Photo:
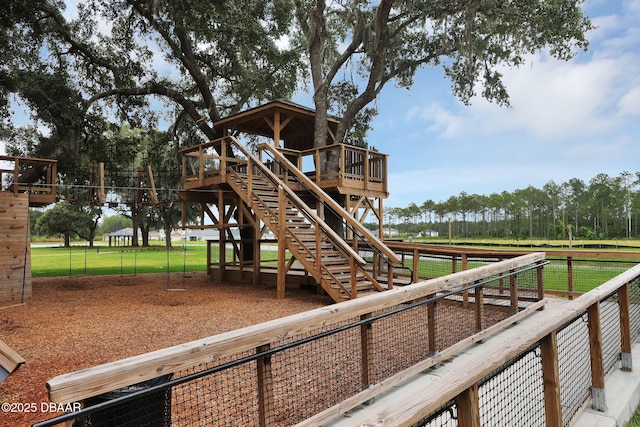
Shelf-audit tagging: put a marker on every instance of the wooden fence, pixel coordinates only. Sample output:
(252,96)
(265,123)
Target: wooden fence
(321,362)
(610,318)
(570,273)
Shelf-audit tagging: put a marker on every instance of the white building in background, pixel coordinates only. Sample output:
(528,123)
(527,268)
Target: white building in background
(429,233)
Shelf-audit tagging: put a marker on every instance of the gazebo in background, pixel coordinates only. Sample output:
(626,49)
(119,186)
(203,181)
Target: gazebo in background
(121,237)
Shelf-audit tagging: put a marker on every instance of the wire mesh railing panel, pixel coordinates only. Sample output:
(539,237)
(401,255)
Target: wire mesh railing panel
(315,376)
(454,322)
(591,273)
(575,367)
(431,266)
(399,341)
(610,326)
(508,403)
(634,308)
(445,417)
(224,398)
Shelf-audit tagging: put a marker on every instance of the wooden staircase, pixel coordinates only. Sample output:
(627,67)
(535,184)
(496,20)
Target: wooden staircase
(338,269)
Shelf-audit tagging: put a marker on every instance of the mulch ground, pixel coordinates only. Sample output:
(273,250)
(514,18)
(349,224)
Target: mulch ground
(74,323)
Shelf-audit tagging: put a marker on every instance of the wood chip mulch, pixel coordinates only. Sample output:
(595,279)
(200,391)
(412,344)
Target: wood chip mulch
(75,323)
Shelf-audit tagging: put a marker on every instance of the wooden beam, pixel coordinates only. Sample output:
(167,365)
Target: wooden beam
(551,380)
(152,183)
(625,328)
(468,407)
(10,360)
(282,245)
(265,388)
(597,361)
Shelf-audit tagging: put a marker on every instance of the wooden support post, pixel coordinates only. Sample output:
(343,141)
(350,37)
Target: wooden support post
(223,160)
(380,219)
(101,194)
(208,257)
(222,248)
(570,277)
(265,388)
(282,230)
(366,338)
(551,380)
(153,194)
(201,165)
(513,292)
(479,299)
(465,294)
(257,261)
(354,283)
(625,328)
(416,266)
(540,280)
(598,398)
(390,276)
(468,407)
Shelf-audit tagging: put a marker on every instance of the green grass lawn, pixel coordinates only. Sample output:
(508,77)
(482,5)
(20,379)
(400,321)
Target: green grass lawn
(101,260)
(58,261)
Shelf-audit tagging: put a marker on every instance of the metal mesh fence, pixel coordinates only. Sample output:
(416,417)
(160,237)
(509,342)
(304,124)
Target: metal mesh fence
(634,308)
(292,379)
(224,397)
(574,365)
(505,402)
(586,274)
(314,376)
(610,326)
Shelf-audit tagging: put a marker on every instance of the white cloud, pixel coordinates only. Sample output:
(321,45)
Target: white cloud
(437,119)
(629,104)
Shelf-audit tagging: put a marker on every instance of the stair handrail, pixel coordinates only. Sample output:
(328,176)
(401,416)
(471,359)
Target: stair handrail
(299,203)
(384,249)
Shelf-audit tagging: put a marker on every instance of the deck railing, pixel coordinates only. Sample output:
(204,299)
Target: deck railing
(311,366)
(545,375)
(42,191)
(569,274)
(358,167)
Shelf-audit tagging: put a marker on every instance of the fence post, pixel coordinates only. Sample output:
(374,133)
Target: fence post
(478,293)
(540,279)
(598,398)
(265,387)
(570,277)
(513,292)
(625,328)
(416,266)
(468,407)
(366,336)
(551,380)
(465,294)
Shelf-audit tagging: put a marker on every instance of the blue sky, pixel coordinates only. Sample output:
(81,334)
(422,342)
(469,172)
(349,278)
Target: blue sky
(567,120)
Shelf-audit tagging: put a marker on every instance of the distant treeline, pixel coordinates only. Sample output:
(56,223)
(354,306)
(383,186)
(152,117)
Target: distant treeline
(604,208)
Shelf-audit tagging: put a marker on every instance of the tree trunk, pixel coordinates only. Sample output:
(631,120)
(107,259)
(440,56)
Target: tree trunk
(144,230)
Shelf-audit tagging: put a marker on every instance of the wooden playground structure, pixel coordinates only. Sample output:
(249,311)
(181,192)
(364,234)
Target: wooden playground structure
(15,200)
(285,186)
